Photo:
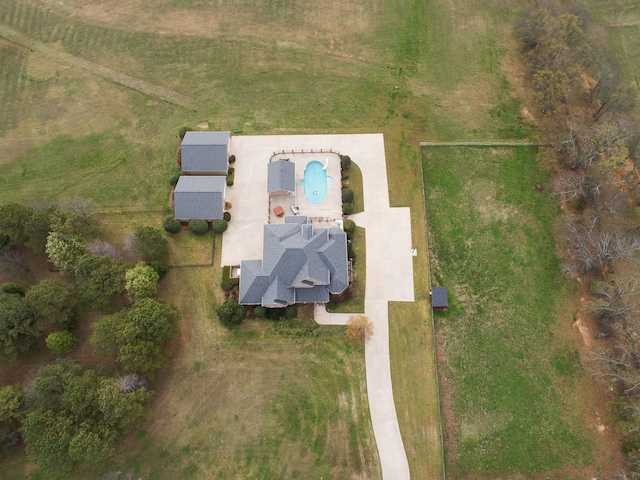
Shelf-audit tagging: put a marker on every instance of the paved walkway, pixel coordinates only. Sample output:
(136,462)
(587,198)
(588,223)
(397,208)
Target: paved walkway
(389,258)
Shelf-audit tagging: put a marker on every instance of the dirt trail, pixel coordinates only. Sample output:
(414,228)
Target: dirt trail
(100,70)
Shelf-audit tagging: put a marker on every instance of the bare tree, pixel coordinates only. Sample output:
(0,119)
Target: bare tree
(83,206)
(593,247)
(102,247)
(359,329)
(12,261)
(131,382)
(617,299)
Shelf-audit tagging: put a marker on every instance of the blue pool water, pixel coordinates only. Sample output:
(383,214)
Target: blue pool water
(315,182)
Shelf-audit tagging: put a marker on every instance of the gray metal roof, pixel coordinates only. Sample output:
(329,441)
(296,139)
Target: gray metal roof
(205,151)
(300,263)
(281,175)
(199,197)
(439,297)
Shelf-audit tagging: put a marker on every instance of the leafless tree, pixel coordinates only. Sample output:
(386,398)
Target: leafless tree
(131,382)
(12,261)
(617,298)
(359,329)
(593,247)
(83,206)
(102,247)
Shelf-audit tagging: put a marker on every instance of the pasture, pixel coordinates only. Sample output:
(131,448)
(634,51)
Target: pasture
(516,397)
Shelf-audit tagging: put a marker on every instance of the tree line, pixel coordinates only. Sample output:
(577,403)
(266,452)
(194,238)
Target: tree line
(586,108)
(69,413)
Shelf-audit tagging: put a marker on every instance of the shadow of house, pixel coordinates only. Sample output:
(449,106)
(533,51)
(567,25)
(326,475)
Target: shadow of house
(300,264)
(199,198)
(205,153)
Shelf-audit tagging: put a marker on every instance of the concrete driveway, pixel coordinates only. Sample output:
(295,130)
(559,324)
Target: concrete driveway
(389,258)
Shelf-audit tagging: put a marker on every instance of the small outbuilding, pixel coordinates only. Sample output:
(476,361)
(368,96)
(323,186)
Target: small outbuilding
(199,198)
(439,298)
(281,178)
(205,153)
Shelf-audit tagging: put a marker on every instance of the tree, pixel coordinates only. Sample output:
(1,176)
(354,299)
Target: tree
(359,329)
(61,342)
(99,278)
(230,312)
(38,227)
(102,247)
(615,95)
(52,303)
(10,415)
(141,281)
(150,243)
(65,250)
(551,88)
(12,261)
(13,217)
(137,335)
(76,416)
(18,326)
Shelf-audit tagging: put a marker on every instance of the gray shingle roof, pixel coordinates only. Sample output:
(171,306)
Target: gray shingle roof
(281,175)
(199,197)
(300,263)
(439,297)
(205,152)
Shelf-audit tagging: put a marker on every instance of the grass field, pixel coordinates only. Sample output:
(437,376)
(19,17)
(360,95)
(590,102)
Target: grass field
(413,70)
(509,360)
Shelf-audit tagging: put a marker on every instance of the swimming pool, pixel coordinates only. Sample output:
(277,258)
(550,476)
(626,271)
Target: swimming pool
(316,182)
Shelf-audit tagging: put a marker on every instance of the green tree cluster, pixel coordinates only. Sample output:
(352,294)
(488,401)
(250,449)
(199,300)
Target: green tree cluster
(74,416)
(137,335)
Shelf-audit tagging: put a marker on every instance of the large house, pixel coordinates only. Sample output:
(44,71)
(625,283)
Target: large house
(199,197)
(300,264)
(205,153)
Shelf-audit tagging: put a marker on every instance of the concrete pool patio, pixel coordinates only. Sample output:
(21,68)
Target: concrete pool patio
(389,257)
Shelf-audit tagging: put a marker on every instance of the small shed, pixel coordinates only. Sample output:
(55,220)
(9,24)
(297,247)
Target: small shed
(281,178)
(199,198)
(439,298)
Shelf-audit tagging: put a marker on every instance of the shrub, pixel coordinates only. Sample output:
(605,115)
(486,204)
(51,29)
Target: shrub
(347,195)
(219,226)
(232,159)
(259,311)
(176,173)
(199,227)
(330,306)
(226,217)
(183,131)
(274,313)
(13,288)
(345,162)
(598,286)
(347,208)
(291,312)
(160,266)
(171,225)
(230,182)
(349,226)
(227,282)
(61,342)
(230,312)
(231,171)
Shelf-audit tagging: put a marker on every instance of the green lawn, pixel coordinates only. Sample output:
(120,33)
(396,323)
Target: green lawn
(509,371)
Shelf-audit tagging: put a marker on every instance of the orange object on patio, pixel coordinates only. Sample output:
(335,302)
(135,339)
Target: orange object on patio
(279,211)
